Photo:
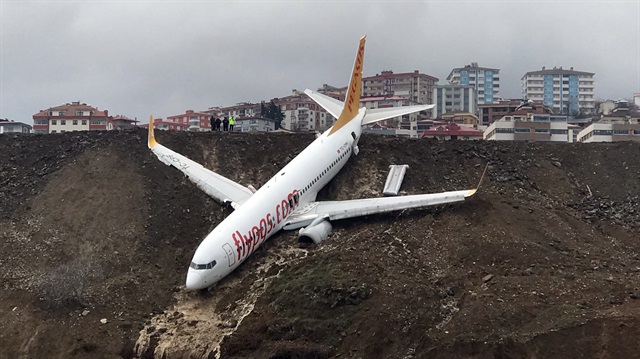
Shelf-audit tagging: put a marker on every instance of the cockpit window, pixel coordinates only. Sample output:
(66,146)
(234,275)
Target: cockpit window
(196,266)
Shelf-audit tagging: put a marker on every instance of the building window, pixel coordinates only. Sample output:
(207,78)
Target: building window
(79,113)
(504,130)
(63,122)
(84,122)
(75,122)
(54,122)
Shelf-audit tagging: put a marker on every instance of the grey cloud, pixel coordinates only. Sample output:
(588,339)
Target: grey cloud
(137,58)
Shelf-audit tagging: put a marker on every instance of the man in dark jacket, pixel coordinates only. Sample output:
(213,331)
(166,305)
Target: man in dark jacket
(225,124)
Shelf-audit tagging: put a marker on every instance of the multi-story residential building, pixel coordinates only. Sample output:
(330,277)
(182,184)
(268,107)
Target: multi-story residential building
(567,92)
(240,110)
(610,132)
(160,124)
(338,93)
(452,131)
(255,124)
(485,81)
(453,98)
(302,114)
(189,121)
(120,123)
(9,126)
(490,113)
(413,86)
(531,124)
(460,118)
(622,124)
(74,116)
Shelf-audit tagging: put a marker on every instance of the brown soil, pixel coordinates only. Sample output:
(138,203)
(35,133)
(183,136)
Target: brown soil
(544,262)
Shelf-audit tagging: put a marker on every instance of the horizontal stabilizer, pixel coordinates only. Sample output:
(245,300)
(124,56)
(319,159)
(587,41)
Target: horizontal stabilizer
(379,114)
(330,104)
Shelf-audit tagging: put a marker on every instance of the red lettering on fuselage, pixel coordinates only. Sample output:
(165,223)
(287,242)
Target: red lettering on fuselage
(246,244)
(238,243)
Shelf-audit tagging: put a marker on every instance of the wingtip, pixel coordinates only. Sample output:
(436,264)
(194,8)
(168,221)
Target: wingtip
(152,139)
(471,192)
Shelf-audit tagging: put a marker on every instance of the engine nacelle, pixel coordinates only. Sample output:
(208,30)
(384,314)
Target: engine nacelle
(314,233)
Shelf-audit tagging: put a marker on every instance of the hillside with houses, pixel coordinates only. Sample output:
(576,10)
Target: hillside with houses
(543,262)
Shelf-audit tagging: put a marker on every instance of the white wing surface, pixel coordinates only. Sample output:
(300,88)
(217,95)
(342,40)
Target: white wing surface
(217,186)
(379,114)
(333,106)
(331,210)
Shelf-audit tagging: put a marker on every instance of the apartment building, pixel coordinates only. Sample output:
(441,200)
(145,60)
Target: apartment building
(567,92)
(490,113)
(622,124)
(461,118)
(484,80)
(531,124)
(452,131)
(188,121)
(302,114)
(240,110)
(74,116)
(161,124)
(120,123)
(414,86)
(453,98)
(255,124)
(9,126)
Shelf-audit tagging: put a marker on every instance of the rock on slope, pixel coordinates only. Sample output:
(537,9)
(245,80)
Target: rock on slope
(543,262)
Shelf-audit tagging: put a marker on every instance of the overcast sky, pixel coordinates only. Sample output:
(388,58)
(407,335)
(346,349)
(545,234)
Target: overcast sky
(137,58)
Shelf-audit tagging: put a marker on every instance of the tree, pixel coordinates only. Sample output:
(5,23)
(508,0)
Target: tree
(273,112)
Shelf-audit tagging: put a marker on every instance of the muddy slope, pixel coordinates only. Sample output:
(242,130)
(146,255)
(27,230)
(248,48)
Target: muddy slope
(543,262)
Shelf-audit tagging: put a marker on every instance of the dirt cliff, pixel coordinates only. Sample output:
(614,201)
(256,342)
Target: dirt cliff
(543,262)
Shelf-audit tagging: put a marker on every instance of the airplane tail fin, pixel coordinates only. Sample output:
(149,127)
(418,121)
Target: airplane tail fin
(352,103)
(152,139)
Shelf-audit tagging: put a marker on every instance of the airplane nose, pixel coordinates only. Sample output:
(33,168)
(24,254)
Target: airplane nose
(194,280)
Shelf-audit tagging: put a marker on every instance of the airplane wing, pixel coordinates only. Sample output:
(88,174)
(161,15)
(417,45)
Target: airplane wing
(217,186)
(333,106)
(332,210)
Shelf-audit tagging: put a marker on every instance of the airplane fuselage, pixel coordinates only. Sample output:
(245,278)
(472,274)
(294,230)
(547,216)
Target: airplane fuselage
(266,211)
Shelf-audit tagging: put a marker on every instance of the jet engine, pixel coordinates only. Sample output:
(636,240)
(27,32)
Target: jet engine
(314,233)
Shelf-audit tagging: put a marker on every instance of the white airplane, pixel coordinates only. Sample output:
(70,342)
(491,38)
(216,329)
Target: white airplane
(288,200)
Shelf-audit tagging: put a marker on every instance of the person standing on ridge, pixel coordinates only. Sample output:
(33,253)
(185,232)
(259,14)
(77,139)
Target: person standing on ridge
(225,124)
(212,122)
(218,122)
(232,121)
